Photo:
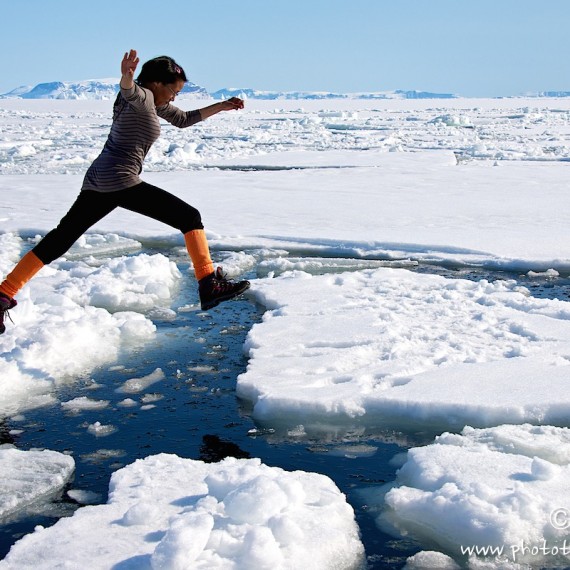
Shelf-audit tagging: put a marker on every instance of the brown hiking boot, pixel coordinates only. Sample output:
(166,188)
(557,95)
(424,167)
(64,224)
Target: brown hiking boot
(216,288)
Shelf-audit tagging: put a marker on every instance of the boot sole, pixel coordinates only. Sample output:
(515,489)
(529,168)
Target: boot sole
(215,302)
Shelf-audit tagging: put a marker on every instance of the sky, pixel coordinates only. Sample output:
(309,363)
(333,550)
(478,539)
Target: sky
(473,48)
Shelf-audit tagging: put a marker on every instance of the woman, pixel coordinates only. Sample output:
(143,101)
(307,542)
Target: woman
(113,180)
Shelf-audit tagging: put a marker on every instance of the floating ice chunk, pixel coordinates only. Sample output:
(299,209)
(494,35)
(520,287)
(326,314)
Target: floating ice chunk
(24,150)
(150,398)
(136,385)
(166,512)
(354,450)
(550,273)
(545,442)
(161,314)
(127,403)
(84,403)
(320,265)
(185,152)
(202,369)
(84,497)
(481,488)
(102,455)
(428,560)
(100,430)
(31,477)
(338,115)
(297,431)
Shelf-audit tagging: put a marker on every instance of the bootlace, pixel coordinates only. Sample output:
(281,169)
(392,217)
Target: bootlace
(5,313)
(222,285)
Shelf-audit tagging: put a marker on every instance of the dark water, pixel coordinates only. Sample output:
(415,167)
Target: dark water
(196,415)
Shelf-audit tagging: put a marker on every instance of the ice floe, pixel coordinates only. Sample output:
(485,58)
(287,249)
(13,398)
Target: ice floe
(31,478)
(497,496)
(393,348)
(166,512)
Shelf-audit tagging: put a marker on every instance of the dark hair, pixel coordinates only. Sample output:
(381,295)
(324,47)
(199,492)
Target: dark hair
(161,69)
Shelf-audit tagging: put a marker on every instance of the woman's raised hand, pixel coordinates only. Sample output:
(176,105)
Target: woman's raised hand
(129,64)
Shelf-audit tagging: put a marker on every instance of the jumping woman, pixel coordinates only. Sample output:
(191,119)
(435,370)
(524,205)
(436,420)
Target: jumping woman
(113,181)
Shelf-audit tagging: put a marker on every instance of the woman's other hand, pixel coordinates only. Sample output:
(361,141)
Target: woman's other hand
(232,104)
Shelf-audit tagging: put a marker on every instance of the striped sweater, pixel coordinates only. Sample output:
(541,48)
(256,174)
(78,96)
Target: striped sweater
(135,128)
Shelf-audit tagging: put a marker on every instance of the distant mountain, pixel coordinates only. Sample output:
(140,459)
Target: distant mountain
(424,95)
(552,94)
(17,92)
(89,89)
(226,93)
(271,95)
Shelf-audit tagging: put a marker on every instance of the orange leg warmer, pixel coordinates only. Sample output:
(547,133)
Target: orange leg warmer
(197,246)
(26,268)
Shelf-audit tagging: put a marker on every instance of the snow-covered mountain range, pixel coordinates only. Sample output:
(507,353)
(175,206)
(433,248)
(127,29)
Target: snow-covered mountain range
(107,89)
(88,89)
(256,94)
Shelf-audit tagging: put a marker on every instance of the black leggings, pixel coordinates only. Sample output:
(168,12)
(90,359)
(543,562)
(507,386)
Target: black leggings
(91,206)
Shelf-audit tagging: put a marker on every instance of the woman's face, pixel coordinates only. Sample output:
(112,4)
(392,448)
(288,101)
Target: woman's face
(165,92)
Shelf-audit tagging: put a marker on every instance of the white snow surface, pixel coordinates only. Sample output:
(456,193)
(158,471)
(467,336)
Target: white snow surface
(332,203)
(170,513)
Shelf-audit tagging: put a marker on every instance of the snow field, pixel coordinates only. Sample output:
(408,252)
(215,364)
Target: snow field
(42,136)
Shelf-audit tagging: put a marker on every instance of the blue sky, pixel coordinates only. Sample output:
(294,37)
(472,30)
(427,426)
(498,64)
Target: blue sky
(471,48)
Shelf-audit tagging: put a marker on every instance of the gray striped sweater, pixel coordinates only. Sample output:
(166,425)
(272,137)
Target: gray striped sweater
(135,128)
